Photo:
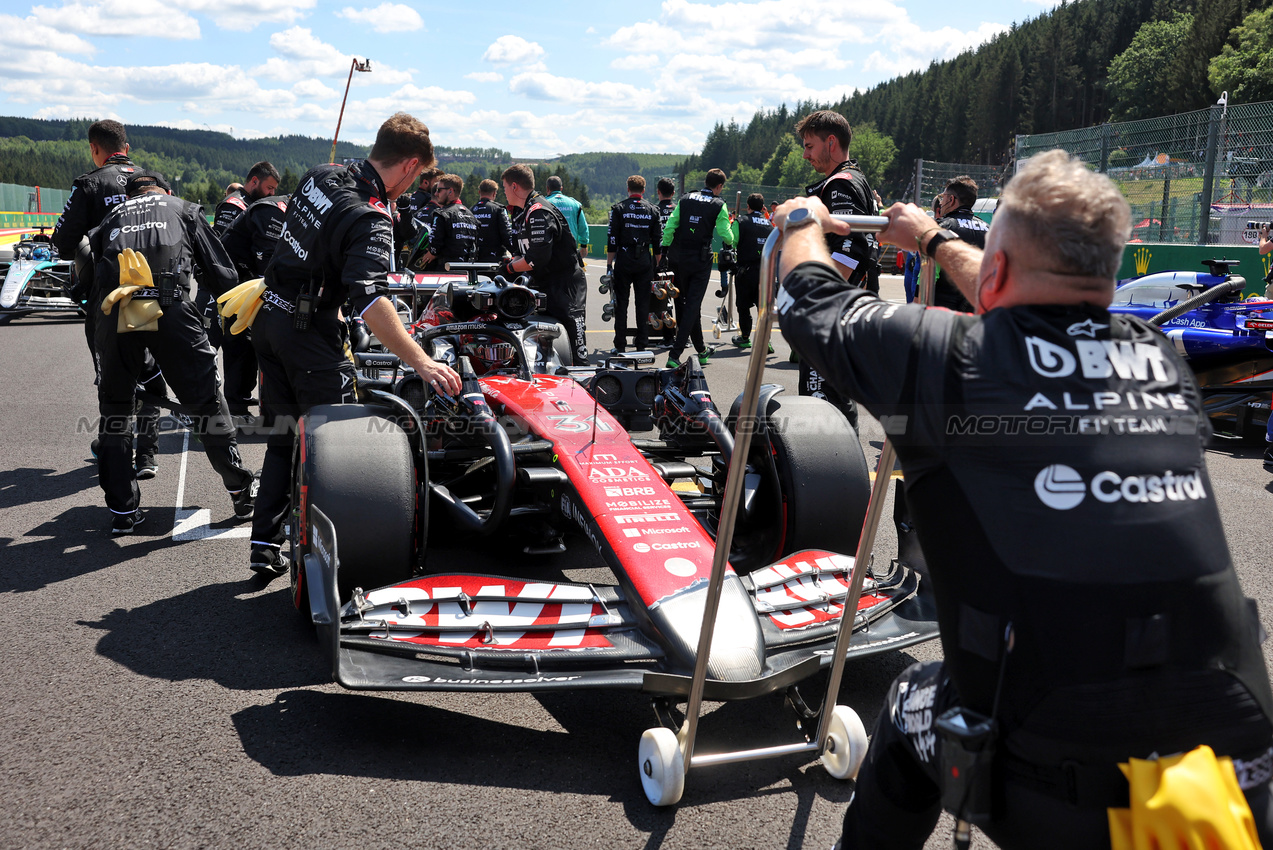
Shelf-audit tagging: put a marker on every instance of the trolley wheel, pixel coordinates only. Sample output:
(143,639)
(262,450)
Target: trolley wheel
(655,322)
(662,766)
(669,321)
(845,749)
(659,292)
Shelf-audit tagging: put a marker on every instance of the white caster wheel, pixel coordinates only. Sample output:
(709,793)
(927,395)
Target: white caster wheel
(662,766)
(846,743)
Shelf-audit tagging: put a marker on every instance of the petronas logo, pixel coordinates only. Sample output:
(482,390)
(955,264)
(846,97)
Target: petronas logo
(1142,258)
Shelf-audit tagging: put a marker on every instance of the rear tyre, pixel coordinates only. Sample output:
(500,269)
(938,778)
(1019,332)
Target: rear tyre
(357,467)
(814,492)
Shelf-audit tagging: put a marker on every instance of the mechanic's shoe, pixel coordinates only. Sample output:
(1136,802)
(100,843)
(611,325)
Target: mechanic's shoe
(741,341)
(125,523)
(704,356)
(243,421)
(673,363)
(94,446)
(268,563)
(146,468)
(793,357)
(1268,459)
(771,348)
(245,499)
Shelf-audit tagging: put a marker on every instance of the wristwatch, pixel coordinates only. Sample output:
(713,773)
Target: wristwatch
(938,238)
(799,217)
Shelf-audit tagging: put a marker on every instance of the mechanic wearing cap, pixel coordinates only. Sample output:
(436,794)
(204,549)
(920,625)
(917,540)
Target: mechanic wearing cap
(92,197)
(955,213)
(687,240)
(414,212)
(175,243)
(573,212)
(826,136)
(336,247)
(634,229)
(494,227)
(1053,459)
(753,229)
(548,254)
(453,231)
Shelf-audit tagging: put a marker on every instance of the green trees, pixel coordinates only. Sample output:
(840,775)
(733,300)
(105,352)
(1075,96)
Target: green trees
(1245,69)
(1135,80)
(874,152)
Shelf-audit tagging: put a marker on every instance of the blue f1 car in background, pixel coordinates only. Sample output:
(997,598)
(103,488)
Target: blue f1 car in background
(1227,341)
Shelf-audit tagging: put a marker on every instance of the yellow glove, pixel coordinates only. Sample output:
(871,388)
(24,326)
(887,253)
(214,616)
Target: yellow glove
(134,274)
(1191,801)
(243,301)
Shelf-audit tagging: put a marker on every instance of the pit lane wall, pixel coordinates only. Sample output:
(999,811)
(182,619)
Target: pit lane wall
(1142,258)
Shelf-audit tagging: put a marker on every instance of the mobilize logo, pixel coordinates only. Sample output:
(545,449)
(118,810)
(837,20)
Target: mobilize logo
(1099,359)
(1061,487)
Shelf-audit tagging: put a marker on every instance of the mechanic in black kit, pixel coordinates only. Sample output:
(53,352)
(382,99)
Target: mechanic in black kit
(262,181)
(826,136)
(1053,458)
(957,216)
(251,238)
(753,230)
(666,188)
(178,246)
(687,240)
(92,196)
(635,229)
(453,232)
(336,247)
(414,212)
(494,227)
(549,253)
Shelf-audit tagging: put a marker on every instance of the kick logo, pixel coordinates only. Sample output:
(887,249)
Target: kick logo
(1060,487)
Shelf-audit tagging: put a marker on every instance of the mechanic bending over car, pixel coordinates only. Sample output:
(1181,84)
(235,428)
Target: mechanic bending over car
(549,254)
(337,247)
(148,250)
(1053,458)
(92,197)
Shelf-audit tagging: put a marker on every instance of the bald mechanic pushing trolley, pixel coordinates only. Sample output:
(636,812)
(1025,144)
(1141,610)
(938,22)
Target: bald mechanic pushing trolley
(1053,458)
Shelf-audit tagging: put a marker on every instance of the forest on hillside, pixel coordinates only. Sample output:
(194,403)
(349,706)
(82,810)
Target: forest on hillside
(1082,64)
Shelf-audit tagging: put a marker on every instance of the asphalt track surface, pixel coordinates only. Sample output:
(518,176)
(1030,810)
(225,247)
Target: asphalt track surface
(156,694)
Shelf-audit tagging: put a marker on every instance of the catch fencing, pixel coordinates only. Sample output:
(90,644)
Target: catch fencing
(1198,178)
(930,179)
(31,199)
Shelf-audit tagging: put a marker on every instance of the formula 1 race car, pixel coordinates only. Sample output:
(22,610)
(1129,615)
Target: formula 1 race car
(36,279)
(532,452)
(1227,341)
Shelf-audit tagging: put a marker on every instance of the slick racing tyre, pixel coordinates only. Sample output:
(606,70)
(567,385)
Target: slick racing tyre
(809,485)
(356,466)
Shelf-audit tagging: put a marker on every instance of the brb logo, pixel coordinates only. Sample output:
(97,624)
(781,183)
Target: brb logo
(1060,487)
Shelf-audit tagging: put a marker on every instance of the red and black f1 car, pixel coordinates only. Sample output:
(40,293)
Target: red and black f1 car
(535,451)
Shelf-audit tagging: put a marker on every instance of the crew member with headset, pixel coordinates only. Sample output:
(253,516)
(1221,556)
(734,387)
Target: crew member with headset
(687,240)
(148,249)
(1089,610)
(634,229)
(494,227)
(337,246)
(92,196)
(826,136)
(453,231)
(752,228)
(549,254)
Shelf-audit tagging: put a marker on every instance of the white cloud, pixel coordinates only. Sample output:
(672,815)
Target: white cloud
(485,76)
(245,15)
(512,50)
(120,18)
(313,89)
(387,17)
(636,62)
(30,33)
(302,55)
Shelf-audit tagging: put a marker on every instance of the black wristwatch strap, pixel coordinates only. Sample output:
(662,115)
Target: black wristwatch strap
(938,238)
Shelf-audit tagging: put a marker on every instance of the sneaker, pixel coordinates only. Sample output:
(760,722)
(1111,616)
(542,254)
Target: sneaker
(741,342)
(704,356)
(1268,459)
(94,446)
(125,523)
(245,499)
(146,467)
(673,363)
(771,348)
(793,357)
(268,563)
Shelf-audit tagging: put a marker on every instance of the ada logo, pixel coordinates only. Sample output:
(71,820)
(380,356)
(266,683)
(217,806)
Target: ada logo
(1060,487)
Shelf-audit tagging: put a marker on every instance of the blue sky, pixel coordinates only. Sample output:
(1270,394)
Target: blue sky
(536,79)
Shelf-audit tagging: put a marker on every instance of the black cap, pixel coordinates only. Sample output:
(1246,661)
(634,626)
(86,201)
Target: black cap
(142,180)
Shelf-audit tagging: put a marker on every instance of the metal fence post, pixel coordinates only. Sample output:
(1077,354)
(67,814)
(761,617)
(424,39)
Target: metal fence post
(1208,176)
(1104,147)
(919,179)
